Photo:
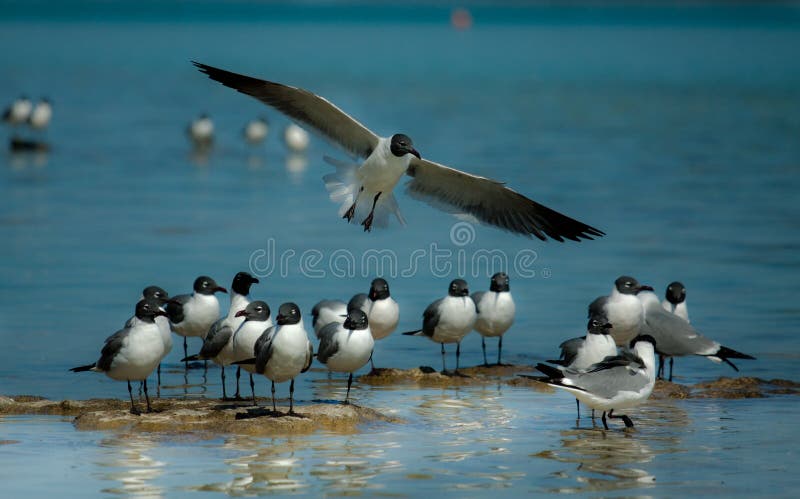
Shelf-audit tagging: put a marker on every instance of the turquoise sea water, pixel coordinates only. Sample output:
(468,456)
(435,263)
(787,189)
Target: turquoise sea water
(673,129)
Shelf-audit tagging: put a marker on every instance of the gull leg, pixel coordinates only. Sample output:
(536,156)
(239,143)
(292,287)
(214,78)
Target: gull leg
(458,354)
(444,368)
(224,394)
(578,404)
(483,345)
(147,397)
(500,352)
(237,396)
(660,372)
(253,389)
(367,223)
(158,387)
(349,382)
(671,360)
(274,408)
(291,397)
(185,354)
(625,419)
(134,410)
(603,418)
(351,212)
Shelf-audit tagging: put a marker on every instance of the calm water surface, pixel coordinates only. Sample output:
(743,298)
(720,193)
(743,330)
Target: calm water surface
(676,133)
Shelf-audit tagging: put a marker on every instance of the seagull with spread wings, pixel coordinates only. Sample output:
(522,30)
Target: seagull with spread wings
(366,189)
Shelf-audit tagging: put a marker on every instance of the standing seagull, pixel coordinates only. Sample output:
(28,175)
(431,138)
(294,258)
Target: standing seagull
(18,112)
(132,353)
(218,343)
(256,321)
(675,337)
(622,309)
(495,313)
(675,300)
(286,351)
(193,315)
(162,297)
(619,382)
(578,354)
(201,131)
(347,347)
(383,313)
(449,319)
(255,131)
(41,115)
(368,187)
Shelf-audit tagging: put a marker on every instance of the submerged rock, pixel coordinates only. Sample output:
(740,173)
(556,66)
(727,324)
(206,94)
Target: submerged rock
(199,415)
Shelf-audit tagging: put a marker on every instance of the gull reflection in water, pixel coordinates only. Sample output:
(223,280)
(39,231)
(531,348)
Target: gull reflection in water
(341,465)
(474,424)
(616,459)
(127,461)
(296,165)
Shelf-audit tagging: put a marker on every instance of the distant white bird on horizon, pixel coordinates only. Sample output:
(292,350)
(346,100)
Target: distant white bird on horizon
(41,115)
(366,189)
(256,130)
(201,131)
(18,112)
(296,138)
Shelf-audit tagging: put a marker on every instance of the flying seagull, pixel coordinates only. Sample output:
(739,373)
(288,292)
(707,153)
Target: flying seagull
(367,188)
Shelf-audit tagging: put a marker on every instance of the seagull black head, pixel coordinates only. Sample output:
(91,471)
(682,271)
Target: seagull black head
(379,289)
(402,145)
(356,319)
(242,282)
(255,311)
(458,288)
(207,286)
(598,325)
(676,293)
(155,293)
(288,313)
(148,309)
(499,282)
(627,285)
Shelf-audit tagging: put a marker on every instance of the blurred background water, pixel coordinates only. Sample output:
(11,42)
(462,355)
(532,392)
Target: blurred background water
(673,128)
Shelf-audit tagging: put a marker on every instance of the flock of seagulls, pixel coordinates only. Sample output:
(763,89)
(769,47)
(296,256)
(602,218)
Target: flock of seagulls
(201,134)
(608,369)
(613,366)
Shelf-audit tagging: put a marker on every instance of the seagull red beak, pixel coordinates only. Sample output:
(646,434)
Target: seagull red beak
(645,288)
(220,289)
(241,313)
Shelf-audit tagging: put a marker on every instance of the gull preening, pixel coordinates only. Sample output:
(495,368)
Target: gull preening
(366,189)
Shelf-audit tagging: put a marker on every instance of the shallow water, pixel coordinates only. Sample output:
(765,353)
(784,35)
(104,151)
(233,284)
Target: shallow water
(674,131)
